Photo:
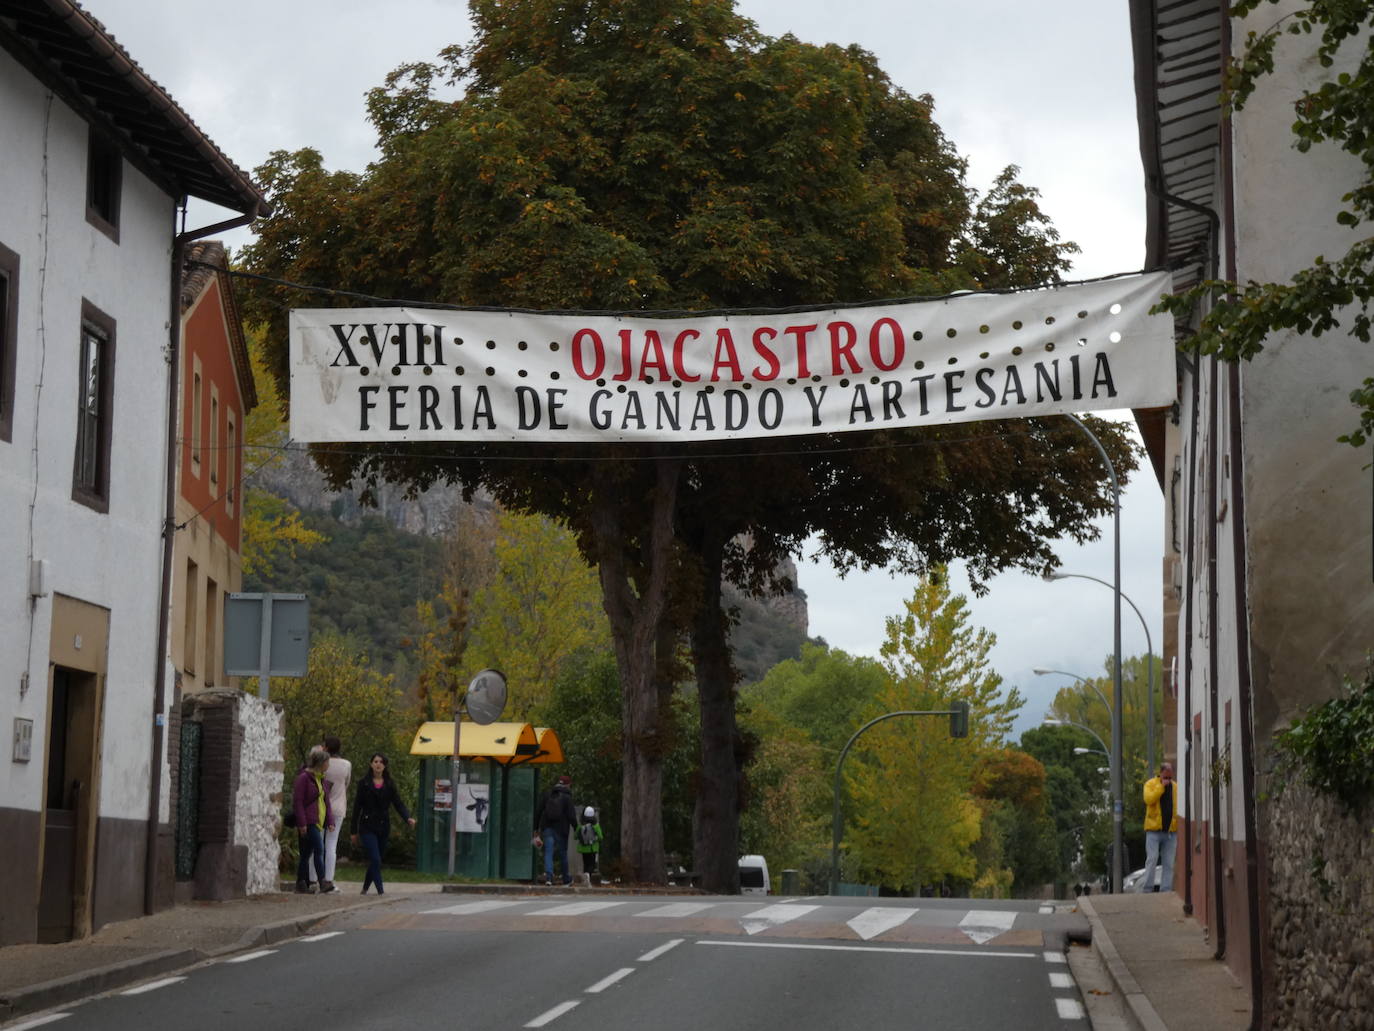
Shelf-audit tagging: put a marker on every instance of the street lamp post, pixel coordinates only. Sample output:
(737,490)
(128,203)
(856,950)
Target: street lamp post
(1116,652)
(1040,672)
(1149,668)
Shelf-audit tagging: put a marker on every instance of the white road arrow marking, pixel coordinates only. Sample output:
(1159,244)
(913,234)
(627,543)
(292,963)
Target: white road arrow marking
(873,922)
(772,916)
(983,925)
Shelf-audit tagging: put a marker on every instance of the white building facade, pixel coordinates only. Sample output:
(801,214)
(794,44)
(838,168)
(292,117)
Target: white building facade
(97,160)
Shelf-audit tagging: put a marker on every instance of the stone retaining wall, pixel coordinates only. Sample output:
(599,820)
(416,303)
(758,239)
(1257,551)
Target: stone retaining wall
(1321,913)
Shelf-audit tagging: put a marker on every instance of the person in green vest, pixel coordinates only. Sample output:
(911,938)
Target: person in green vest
(589,839)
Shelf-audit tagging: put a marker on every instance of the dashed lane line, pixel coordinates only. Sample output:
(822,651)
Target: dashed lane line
(320,937)
(549,1016)
(610,979)
(51,1018)
(1055,957)
(1061,980)
(667,946)
(153,986)
(1069,1009)
(248,957)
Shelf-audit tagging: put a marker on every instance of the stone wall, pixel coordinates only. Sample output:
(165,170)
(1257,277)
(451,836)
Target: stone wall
(239,801)
(1321,913)
(257,806)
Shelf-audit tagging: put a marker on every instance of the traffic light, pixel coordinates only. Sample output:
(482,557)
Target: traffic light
(958,719)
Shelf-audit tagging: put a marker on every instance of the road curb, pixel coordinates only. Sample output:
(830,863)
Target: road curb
(1139,1011)
(62,990)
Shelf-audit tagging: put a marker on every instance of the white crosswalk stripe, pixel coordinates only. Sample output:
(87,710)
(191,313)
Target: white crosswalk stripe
(985,924)
(772,916)
(483,906)
(573,909)
(873,922)
(674,909)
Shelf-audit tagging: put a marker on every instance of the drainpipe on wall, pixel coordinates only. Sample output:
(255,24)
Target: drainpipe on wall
(179,243)
(1213,658)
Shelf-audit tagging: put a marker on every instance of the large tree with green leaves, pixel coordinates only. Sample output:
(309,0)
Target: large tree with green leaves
(666,155)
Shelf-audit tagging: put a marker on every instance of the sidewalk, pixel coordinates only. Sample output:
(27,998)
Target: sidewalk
(1153,970)
(36,977)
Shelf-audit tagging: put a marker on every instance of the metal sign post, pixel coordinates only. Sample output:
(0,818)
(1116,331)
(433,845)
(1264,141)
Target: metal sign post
(484,701)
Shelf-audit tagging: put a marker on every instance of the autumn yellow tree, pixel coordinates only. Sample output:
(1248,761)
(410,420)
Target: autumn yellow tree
(914,817)
(542,607)
(271,525)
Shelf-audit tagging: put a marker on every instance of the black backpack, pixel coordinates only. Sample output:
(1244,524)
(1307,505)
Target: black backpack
(553,808)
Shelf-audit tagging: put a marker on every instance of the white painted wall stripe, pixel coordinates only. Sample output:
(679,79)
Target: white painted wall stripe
(1069,1009)
(483,906)
(573,909)
(248,957)
(611,979)
(653,954)
(153,986)
(674,909)
(966,953)
(772,916)
(985,924)
(873,922)
(549,1016)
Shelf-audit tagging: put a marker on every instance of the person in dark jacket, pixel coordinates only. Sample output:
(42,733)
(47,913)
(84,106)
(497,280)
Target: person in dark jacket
(310,801)
(554,819)
(372,817)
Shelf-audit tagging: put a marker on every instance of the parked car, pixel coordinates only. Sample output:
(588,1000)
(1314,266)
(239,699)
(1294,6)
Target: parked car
(1131,882)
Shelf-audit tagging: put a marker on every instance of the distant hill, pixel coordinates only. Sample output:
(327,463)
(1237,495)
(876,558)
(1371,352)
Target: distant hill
(379,562)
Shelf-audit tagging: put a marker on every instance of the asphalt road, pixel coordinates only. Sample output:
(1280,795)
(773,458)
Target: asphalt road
(618,964)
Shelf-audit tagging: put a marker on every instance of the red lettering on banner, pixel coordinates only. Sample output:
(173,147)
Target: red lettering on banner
(875,344)
(598,353)
(653,357)
(799,333)
(725,346)
(843,349)
(680,370)
(771,365)
(625,337)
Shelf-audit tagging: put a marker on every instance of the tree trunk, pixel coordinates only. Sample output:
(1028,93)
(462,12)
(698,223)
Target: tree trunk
(715,822)
(634,589)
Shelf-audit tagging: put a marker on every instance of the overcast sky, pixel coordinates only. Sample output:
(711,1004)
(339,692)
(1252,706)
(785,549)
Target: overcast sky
(1043,86)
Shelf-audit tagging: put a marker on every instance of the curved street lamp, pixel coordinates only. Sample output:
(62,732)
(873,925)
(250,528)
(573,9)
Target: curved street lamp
(1149,667)
(1116,650)
(1040,672)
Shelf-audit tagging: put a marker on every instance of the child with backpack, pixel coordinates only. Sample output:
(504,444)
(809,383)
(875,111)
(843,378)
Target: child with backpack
(589,839)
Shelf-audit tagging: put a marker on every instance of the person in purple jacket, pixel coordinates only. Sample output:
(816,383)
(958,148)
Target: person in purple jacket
(310,800)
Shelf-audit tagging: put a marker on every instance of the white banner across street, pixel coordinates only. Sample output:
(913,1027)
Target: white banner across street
(423,374)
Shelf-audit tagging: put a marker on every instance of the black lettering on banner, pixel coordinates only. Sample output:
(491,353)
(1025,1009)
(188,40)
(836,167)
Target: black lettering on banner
(1102,376)
(1013,383)
(367,400)
(397,398)
(952,390)
(892,401)
(429,408)
(701,412)
(921,382)
(736,410)
(1048,382)
(597,414)
(527,408)
(770,409)
(482,409)
(814,398)
(633,415)
(345,348)
(669,412)
(556,405)
(858,403)
(980,380)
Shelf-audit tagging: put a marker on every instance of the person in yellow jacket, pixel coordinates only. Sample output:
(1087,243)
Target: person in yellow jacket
(1161,829)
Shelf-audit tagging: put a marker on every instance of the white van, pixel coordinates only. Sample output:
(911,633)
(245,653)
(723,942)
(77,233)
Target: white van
(753,875)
